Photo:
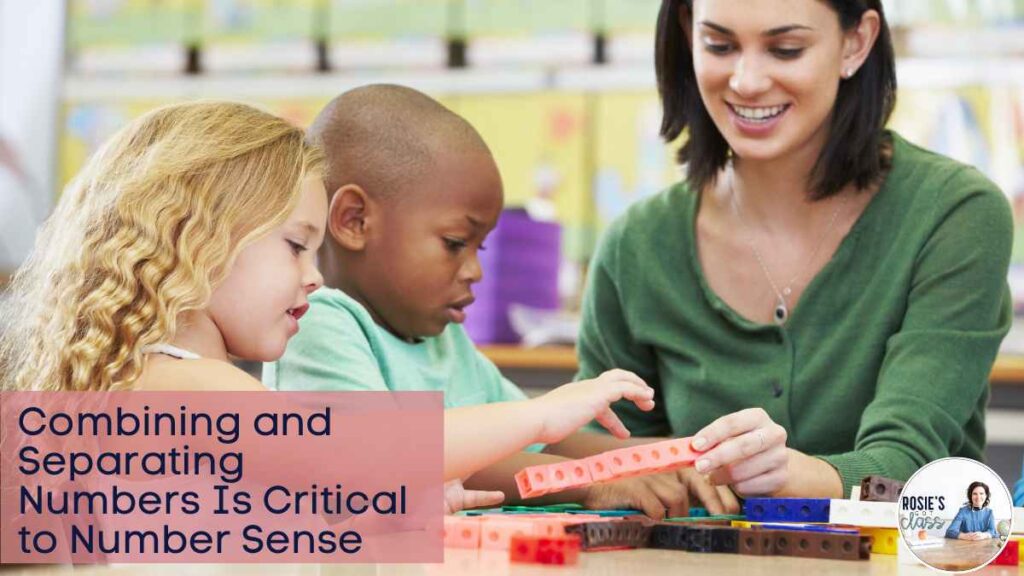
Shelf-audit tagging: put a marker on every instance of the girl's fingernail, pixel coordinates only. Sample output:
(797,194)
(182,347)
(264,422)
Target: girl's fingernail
(699,443)
(703,465)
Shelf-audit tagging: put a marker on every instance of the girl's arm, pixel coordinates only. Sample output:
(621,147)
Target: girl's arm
(478,436)
(475,436)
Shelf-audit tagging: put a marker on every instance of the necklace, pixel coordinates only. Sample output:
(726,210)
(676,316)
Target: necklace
(781,312)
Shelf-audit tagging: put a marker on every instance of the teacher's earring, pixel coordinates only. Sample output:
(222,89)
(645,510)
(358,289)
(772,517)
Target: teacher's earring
(848,73)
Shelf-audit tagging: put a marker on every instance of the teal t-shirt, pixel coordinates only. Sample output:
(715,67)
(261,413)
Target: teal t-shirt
(340,347)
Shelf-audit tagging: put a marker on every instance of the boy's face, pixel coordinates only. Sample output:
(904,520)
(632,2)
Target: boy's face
(423,258)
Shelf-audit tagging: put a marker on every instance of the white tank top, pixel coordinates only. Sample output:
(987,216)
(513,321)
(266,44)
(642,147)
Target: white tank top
(172,351)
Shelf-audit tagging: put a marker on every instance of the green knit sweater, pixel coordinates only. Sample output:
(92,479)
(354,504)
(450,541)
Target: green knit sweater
(882,367)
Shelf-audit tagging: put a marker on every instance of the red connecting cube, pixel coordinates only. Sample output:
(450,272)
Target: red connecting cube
(563,550)
(1010,556)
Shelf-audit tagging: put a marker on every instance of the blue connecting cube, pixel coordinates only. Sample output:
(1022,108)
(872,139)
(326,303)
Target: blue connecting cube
(786,509)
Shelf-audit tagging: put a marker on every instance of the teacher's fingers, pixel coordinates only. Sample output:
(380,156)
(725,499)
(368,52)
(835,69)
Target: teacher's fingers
(742,446)
(774,458)
(729,426)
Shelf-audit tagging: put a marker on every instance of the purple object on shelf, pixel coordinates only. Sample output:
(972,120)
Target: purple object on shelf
(520,266)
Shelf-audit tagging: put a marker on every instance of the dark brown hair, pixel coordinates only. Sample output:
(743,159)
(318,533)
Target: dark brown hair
(970,490)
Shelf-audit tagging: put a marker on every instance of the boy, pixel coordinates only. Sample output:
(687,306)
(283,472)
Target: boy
(414,191)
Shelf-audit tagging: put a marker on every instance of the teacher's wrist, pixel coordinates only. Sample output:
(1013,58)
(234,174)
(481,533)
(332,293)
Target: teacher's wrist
(810,477)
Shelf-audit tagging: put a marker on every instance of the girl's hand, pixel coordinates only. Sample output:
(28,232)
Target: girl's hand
(457,498)
(571,406)
(746,450)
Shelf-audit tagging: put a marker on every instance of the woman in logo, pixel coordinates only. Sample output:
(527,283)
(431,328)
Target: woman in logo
(974,520)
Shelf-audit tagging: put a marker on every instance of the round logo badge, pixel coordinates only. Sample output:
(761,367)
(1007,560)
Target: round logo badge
(955,515)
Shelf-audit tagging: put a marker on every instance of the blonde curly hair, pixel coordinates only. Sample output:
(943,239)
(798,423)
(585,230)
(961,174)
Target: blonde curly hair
(144,233)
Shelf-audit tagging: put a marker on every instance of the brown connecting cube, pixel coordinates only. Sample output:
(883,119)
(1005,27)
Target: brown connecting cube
(757,542)
(880,489)
(822,545)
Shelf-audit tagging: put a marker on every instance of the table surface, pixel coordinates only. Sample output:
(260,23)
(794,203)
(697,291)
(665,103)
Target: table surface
(959,555)
(647,562)
(1008,370)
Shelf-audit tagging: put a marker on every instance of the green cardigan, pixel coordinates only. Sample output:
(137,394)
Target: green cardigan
(883,365)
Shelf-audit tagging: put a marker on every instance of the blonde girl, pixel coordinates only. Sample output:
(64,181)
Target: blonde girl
(188,239)
(185,199)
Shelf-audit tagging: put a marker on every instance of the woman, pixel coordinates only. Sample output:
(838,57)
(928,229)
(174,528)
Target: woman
(974,520)
(819,300)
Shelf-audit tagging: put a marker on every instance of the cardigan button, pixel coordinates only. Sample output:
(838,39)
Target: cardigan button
(776,388)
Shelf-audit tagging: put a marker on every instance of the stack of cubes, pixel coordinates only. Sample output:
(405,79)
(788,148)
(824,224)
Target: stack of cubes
(622,463)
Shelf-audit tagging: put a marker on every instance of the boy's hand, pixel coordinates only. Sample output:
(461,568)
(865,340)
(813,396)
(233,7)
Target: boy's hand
(457,498)
(668,493)
(570,407)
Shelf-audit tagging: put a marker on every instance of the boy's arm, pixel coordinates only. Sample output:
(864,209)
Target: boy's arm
(331,352)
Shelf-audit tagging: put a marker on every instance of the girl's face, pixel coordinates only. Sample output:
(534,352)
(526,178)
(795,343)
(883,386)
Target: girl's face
(768,71)
(978,496)
(258,306)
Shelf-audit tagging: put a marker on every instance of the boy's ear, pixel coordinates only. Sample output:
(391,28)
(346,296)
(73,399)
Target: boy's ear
(347,216)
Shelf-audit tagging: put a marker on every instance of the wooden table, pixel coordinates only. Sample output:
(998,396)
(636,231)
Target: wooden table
(487,563)
(1008,370)
(959,555)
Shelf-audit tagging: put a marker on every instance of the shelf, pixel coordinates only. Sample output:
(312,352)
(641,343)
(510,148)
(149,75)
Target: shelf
(912,73)
(1008,370)
(511,356)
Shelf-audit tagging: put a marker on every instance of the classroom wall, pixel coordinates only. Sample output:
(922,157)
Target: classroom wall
(31,64)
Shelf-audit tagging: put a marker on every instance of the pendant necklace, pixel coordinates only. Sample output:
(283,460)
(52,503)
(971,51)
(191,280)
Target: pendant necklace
(781,312)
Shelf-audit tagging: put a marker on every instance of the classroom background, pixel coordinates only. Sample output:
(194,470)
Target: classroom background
(563,91)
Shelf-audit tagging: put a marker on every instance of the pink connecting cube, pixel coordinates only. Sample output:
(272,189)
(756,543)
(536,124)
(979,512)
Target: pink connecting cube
(570,474)
(496,532)
(672,454)
(600,467)
(533,481)
(461,532)
(628,462)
